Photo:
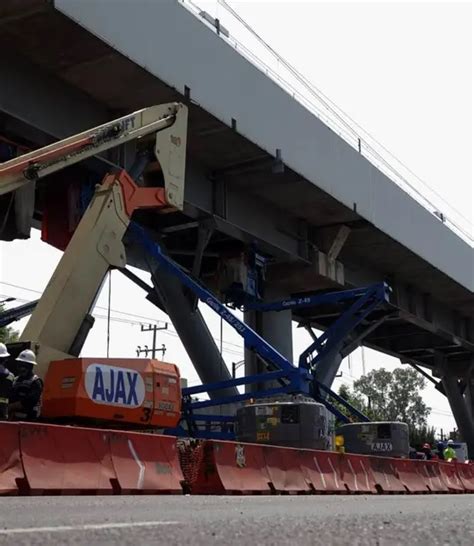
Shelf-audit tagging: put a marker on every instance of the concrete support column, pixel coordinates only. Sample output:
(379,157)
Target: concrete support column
(193,332)
(469,395)
(275,328)
(461,404)
(460,410)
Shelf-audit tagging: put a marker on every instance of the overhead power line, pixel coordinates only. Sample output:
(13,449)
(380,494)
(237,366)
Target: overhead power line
(135,320)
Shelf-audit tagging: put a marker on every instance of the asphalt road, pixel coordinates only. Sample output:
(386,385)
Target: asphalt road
(259,520)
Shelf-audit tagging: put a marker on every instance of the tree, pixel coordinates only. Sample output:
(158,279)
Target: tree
(392,396)
(352,398)
(7,334)
(422,435)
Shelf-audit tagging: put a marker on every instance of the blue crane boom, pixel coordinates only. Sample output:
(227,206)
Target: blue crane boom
(251,339)
(291,379)
(16,313)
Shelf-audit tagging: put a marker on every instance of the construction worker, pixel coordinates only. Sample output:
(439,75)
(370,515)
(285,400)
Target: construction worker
(440,449)
(6,382)
(449,453)
(426,450)
(25,398)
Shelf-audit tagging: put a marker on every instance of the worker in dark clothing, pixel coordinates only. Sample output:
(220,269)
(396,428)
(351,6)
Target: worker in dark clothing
(25,398)
(6,382)
(426,450)
(440,449)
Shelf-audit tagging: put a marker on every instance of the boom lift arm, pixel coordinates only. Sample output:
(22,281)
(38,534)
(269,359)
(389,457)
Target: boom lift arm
(169,149)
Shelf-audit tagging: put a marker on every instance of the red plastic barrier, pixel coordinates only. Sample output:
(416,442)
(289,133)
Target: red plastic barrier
(10,462)
(232,468)
(450,476)
(431,471)
(465,473)
(409,473)
(385,475)
(67,460)
(145,463)
(357,473)
(284,470)
(321,470)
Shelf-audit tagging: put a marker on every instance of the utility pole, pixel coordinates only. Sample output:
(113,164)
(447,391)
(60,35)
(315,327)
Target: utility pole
(152,328)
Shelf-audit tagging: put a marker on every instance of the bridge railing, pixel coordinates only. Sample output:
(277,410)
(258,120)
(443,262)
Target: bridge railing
(321,106)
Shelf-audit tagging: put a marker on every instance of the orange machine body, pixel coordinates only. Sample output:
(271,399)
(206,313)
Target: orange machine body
(136,392)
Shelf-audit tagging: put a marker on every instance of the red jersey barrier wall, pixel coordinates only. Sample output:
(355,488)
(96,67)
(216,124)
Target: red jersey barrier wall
(284,470)
(66,460)
(39,459)
(450,476)
(11,470)
(232,468)
(50,459)
(466,475)
(357,473)
(321,469)
(386,479)
(431,472)
(409,474)
(145,463)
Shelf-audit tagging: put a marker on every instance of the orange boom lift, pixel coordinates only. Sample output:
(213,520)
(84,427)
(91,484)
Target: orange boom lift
(131,392)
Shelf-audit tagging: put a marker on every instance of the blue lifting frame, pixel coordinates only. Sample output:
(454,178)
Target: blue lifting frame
(11,315)
(363,302)
(290,379)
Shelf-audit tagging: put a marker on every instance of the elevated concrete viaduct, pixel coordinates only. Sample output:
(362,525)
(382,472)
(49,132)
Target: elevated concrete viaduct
(260,168)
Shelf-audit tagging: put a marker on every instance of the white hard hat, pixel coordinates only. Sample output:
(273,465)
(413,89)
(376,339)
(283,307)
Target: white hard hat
(27,356)
(4,351)
(450,442)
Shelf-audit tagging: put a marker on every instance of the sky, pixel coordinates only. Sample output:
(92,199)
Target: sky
(402,70)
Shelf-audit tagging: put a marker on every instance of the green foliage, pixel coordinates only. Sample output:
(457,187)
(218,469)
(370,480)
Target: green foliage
(421,435)
(7,334)
(353,398)
(390,396)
